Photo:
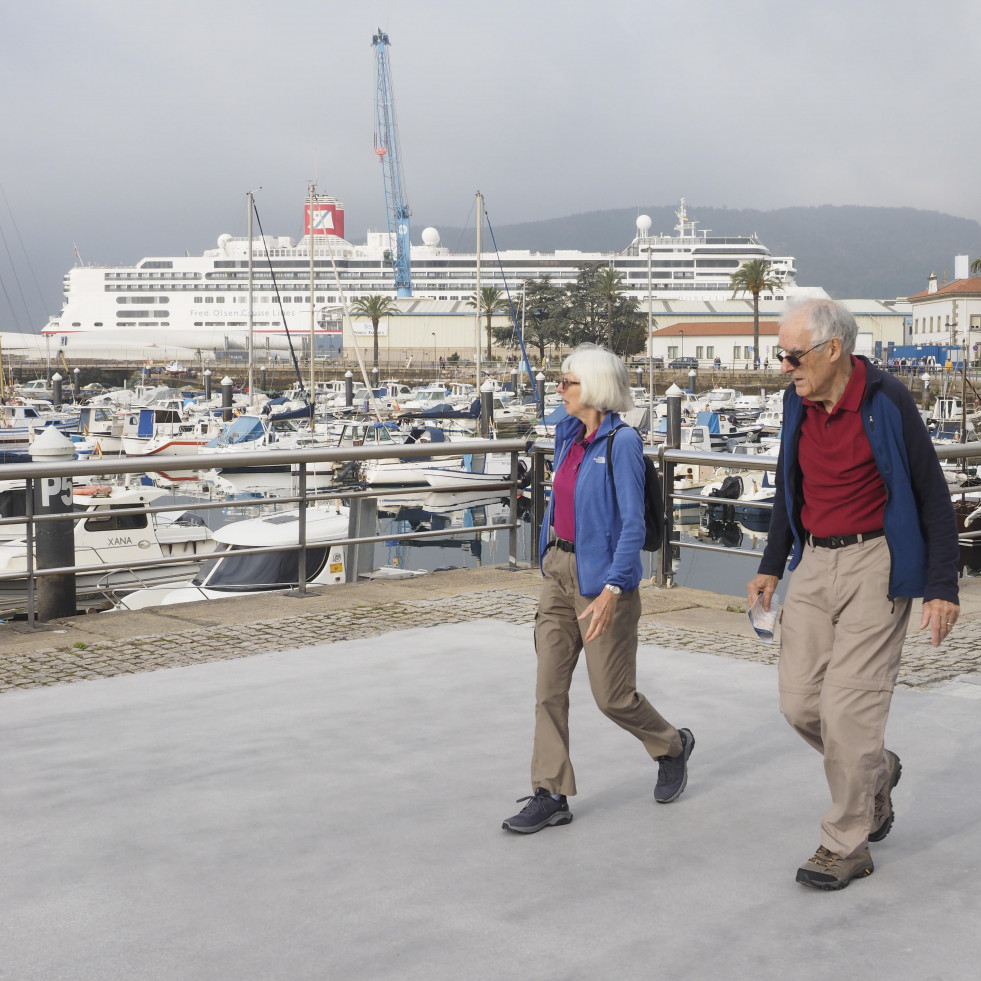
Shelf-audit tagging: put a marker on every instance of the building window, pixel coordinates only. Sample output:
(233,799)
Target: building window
(709,352)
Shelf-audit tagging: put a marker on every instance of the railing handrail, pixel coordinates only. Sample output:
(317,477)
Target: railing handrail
(106,467)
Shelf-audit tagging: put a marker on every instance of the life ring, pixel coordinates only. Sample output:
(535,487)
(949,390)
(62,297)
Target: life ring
(91,490)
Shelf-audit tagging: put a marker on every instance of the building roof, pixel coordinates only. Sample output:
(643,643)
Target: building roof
(959,287)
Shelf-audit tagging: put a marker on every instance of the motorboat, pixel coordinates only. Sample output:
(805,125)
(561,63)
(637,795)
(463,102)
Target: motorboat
(231,572)
(114,526)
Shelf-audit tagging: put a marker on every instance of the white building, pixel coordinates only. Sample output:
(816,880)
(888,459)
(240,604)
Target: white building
(949,314)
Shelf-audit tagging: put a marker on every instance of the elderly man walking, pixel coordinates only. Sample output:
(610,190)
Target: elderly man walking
(863,511)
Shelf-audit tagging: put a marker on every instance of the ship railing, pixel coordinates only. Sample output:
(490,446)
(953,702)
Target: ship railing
(362,503)
(965,495)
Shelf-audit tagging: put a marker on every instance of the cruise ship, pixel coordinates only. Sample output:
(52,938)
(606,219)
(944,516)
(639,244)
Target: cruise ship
(201,303)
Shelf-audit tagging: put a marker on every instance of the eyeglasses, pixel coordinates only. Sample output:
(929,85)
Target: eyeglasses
(566,383)
(793,358)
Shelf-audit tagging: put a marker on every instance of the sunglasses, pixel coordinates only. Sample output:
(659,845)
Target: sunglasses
(793,358)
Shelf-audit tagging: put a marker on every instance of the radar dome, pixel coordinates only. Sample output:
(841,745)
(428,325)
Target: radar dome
(430,237)
(223,241)
(643,223)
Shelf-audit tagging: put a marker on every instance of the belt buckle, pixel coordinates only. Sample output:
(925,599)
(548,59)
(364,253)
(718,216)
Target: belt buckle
(836,541)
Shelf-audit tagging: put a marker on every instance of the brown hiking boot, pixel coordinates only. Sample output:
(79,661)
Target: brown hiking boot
(884,816)
(826,870)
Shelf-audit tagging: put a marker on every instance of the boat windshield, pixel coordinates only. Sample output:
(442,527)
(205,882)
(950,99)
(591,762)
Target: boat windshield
(233,572)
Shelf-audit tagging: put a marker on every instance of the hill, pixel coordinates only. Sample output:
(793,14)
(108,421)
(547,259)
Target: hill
(853,252)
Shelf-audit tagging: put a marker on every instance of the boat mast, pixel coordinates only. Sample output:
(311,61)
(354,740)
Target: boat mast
(480,221)
(313,320)
(249,195)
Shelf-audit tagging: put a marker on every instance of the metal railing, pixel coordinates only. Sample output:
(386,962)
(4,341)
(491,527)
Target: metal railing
(360,499)
(668,460)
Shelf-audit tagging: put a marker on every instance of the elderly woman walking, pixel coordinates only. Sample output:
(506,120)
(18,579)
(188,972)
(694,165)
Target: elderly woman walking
(590,545)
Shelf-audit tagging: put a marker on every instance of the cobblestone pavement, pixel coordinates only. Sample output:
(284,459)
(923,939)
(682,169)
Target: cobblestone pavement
(923,666)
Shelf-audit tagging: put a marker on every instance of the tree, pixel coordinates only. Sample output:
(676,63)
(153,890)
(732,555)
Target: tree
(374,308)
(976,266)
(754,277)
(543,307)
(599,311)
(492,301)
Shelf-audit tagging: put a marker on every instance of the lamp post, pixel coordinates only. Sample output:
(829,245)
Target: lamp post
(650,350)
(435,363)
(682,333)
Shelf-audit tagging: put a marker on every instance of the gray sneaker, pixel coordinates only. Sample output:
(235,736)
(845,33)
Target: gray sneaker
(672,771)
(884,816)
(826,870)
(541,811)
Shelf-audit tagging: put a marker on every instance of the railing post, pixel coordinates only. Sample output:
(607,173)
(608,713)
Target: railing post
(362,523)
(537,500)
(665,572)
(301,570)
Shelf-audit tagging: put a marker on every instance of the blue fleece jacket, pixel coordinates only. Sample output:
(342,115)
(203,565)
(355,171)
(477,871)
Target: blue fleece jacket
(919,522)
(609,526)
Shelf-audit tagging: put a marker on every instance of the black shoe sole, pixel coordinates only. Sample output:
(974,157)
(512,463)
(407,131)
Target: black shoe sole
(555,821)
(886,826)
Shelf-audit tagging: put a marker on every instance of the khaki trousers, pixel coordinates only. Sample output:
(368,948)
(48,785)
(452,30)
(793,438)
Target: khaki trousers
(841,639)
(611,661)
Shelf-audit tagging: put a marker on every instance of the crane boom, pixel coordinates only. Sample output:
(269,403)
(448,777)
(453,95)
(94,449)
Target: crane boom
(390,155)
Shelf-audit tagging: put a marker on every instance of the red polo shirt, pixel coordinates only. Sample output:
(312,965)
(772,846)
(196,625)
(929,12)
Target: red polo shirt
(843,491)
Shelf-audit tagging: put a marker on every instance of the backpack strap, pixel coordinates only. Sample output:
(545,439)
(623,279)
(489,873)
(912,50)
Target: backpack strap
(609,452)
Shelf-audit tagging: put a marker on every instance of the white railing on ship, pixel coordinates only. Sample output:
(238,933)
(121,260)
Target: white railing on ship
(507,485)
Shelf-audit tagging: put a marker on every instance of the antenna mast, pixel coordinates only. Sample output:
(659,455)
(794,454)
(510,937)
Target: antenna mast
(390,155)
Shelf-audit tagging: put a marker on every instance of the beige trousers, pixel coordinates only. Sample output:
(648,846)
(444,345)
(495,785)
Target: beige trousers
(611,661)
(841,639)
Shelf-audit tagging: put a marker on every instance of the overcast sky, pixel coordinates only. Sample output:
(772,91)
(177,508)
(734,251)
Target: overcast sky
(134,129)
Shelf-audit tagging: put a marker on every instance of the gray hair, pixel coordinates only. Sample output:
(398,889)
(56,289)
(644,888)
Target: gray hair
(826,319)
(603,377)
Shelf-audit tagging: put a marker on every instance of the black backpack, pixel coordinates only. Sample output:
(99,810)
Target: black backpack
(653,498)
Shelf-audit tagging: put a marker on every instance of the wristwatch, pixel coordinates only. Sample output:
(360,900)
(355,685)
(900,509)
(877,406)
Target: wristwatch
(616,590)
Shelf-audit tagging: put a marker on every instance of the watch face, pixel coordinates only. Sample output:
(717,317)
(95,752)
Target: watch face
(613,589)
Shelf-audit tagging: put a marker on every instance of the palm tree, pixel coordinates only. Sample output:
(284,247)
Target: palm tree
(374,308)
(609,284)
(976,266)
(754,277)
(492,301)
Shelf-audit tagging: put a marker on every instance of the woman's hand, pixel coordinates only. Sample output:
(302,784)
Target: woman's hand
(601,609)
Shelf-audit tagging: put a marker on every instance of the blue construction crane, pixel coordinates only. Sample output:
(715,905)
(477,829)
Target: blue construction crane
(390,155)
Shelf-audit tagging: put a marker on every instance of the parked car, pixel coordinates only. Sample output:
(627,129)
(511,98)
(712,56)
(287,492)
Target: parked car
(683,363)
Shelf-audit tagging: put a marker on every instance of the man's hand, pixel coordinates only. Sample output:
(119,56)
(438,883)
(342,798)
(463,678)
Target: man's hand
(767,585)
(601,610)
(940,616)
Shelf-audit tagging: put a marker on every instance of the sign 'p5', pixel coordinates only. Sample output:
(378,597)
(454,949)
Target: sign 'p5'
(56,493)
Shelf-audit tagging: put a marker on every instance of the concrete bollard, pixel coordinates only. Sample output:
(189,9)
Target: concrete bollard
(227,387)
(540,382)
(515,386)
(673,440)
(56,390)
(76,387)
(207,384)
(348,389)
(262,377)
(54,540)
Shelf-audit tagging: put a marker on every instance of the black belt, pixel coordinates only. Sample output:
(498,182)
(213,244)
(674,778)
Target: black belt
(843,541)
(563,546)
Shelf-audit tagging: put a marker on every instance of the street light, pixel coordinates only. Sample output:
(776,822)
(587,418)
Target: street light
(435,365)
(682,333)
